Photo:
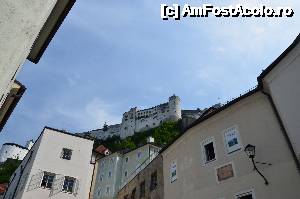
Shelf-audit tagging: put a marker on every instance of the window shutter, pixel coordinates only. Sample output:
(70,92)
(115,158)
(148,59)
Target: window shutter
(35,181)
(57,185)
(76,187)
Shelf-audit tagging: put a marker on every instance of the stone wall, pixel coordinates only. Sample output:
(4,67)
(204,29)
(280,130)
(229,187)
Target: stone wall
(145,176)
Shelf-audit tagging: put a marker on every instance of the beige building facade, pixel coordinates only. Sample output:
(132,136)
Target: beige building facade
(208,160)
(147,184)
(281,81)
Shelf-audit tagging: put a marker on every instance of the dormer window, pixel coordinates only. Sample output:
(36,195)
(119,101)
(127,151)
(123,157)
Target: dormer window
(66,154)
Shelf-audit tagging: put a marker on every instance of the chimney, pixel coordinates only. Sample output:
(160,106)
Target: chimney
(150,139)
(29,144)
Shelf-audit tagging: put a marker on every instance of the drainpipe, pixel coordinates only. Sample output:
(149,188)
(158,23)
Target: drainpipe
(282,128)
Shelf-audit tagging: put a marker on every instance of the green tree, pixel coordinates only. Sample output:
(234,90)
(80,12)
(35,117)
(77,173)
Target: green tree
(7,169)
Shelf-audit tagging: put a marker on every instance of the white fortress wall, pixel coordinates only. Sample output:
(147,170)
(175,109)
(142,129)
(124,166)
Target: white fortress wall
(140,120)
(12,151)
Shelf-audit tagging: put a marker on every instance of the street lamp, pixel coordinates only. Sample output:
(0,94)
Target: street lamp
(250,151)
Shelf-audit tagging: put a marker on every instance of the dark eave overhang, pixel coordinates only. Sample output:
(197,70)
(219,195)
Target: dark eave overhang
(54,21)
(11,102)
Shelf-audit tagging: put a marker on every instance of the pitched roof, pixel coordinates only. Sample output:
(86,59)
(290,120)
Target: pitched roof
(16,145)
(275,63)
(11,101)
(214,111)
(101,149)
(67,133)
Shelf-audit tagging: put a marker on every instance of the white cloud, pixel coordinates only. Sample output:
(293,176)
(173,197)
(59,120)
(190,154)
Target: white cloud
(90,116)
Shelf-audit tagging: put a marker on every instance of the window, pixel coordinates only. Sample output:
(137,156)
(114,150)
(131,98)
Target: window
(153,180)
(139,154)
(101,178)
(125,174)
(99,192)
(142,189)
(107,190)
(126,159)
(102,163)
(109,174)
(173,171)
(66,154)
(232,139)
(208,150)
(47,180)
(245,195)
(225,172)
(133,193)
(68,184)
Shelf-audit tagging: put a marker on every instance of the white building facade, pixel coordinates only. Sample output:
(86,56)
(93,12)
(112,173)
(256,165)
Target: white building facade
(116,170)
(58,166)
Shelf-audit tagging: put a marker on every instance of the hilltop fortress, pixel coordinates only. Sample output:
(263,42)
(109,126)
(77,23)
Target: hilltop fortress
(136,120)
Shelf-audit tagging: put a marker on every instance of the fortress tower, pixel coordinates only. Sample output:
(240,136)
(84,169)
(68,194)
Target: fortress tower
(128,123)
(174,108)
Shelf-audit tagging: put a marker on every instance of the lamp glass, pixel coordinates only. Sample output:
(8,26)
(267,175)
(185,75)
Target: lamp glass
(250,150)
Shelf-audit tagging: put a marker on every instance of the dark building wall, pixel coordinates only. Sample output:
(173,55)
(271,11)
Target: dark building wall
(145,176)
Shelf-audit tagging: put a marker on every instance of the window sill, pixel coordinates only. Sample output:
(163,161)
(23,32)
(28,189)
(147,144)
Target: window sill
(210,161)
(67,192)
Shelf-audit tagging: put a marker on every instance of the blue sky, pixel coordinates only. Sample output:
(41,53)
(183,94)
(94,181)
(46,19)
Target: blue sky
(109,56)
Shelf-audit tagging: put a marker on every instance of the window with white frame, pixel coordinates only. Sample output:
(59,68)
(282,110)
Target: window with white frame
(208,150)
(125,174)
(109,174)
(232,139)
(173,171)
(245,195)
(68,186)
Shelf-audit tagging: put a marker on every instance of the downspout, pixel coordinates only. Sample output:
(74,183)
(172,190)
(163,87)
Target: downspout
(96,160)
(282,128)
(92,181)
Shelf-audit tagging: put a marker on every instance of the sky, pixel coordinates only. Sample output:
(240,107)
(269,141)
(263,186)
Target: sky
(109,56)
